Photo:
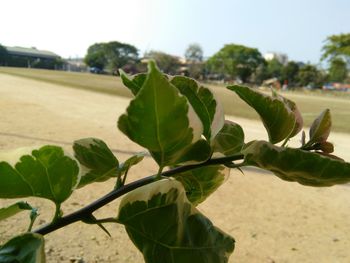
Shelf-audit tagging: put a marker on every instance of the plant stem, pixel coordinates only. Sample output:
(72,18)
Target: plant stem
(285,142)
(159,174)
(33,215)
(57,213)
(106,220)
(87,211)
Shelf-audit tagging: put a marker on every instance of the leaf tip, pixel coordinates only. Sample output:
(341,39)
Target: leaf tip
(152,65)
(122,73)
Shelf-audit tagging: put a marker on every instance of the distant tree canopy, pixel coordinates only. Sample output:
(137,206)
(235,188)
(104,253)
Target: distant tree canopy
(290,73)
(194,53)
(274,69)
(337,51)
(167,63)
(267,70)
(194,59)
(111,55)
(309,75)
(337,71)
(3,55)
(337,46)
(236,61)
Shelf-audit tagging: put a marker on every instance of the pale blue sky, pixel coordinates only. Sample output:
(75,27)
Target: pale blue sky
(67,27)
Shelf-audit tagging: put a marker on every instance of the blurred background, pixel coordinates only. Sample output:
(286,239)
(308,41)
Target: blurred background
(284,44)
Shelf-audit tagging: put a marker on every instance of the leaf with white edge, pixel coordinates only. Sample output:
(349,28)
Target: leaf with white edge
(134,83)
(97,162)
(25,248)
(14,209)
(321,127)
(201,182)
(47,172)
(166,227)
(204,103)
(279,115)
(307,168)
(229,141)
(199,152)
(161,120)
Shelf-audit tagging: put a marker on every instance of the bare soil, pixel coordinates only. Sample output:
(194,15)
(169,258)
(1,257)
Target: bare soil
(271,220)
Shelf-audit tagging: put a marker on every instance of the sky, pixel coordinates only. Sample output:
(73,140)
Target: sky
(297,28)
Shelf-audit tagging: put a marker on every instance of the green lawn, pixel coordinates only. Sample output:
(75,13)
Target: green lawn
(309,104)
(100,83)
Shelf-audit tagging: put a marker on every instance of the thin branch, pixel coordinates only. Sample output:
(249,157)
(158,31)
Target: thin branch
(104,220)
(87,211)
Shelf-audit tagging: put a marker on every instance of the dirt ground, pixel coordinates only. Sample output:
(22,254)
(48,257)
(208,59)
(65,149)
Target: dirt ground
(271,220)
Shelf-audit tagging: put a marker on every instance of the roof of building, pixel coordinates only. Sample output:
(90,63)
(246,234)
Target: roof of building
(31,52)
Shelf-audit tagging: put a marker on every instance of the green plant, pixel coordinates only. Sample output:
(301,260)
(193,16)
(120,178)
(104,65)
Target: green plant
(182,126)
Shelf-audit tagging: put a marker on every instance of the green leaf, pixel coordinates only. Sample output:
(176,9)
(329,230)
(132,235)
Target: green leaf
(307,168)
(14,209)
(133,160)
(135,83)
(279,115)
(204,103)
(18,207)
(25,248)
(201,182)
(124,168)
(97,162)
(166,227)
(229,141)
(161,120)
(46,172)
(321,127)
(199,152)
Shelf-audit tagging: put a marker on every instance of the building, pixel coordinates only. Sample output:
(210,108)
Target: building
(75,64)
(280,57)
(32,58)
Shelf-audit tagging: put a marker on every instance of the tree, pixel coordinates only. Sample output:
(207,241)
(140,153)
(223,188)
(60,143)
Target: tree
(236,61)
(194,53)
(260,74)
(194,58)
(169,64)
(337,51)
(290,73)
(274,69)
(337,70)
(3,55)
(337,46)
(96,56)
(309,75)
(119,54)
(111,55)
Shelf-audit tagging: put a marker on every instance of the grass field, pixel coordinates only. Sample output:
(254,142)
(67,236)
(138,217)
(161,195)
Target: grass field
(310,104)
(94,82)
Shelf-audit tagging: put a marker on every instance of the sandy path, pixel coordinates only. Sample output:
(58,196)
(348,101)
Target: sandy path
(271,220)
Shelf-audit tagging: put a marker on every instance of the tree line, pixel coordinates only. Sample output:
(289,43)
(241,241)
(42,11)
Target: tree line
(232,62)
